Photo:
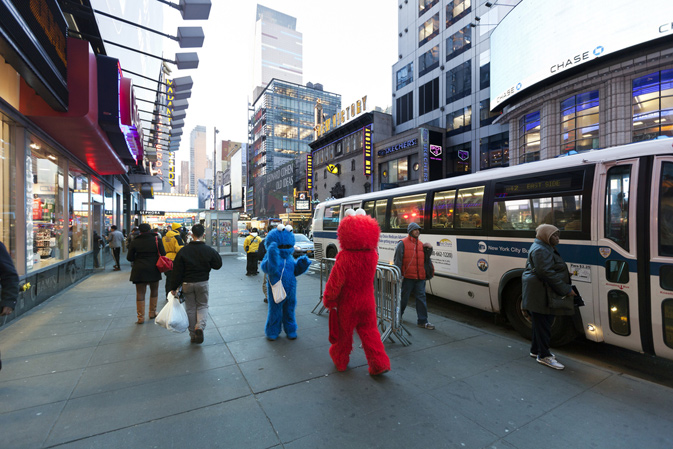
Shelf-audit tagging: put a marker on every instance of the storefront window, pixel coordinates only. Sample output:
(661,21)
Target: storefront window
(529,137)
(78,194)
(44,219)
(7,191)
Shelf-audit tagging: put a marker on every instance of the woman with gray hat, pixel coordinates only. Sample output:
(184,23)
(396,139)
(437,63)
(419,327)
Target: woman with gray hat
(546,286)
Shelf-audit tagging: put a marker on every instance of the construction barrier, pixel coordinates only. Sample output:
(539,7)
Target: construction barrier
(388,296)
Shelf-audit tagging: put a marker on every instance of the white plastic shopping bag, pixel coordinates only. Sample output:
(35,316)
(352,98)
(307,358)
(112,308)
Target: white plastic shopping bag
(277,289)
(173,316)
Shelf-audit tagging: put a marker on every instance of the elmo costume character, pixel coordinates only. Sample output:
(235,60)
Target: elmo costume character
(279,264)
(349,293)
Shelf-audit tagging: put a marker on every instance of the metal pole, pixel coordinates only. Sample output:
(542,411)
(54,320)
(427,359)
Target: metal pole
(215,167)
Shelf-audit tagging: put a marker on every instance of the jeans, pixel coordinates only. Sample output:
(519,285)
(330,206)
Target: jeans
(417,287)
(196,304)
(116,253)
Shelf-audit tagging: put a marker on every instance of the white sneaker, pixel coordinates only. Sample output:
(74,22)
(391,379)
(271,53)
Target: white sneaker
(551,362)
(535,355)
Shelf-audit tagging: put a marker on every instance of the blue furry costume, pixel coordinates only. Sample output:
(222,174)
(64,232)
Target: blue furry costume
(278,260)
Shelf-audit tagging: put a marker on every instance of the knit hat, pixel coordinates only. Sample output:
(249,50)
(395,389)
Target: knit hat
(412,227)
(176,226)
(544,231)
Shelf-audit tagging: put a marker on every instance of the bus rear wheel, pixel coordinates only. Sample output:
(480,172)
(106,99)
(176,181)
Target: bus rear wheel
(562,329)
(331,252)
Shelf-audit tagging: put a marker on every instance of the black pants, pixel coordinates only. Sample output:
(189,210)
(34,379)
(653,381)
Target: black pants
(168,281)
(251,267)
(96,252)
(541,334)
(115,253)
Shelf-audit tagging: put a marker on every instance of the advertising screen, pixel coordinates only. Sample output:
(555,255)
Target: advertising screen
(543,38)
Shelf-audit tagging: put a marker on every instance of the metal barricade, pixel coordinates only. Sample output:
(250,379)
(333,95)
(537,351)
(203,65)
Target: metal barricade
(388,296)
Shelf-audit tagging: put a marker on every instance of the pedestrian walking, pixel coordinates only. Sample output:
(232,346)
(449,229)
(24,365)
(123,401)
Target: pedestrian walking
(546,283)
(172,244)
(9,281)
(116,239)
(410,259)
(191,270)
(97,241)
(251,246)
(144,252)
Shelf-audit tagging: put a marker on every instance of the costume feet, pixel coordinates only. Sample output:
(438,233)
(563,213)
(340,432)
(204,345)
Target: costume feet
(378,371)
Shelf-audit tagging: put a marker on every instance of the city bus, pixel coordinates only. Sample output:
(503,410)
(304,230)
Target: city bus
(614,208)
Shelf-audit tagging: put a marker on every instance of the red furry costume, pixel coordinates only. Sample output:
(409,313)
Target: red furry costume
(350,289)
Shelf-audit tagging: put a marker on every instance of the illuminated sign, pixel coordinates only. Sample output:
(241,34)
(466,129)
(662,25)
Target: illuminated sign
(343,116)
(171,170)
(332,168)
(309,172)
(367,149)
(566,37)
(302,202)
(425,143)
(151,212)
(129,118)
(169,98)
(400,146)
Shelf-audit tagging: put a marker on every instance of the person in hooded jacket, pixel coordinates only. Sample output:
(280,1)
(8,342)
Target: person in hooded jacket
(546,275)
(410,259)
(144,252)
(251,246)
(173,242)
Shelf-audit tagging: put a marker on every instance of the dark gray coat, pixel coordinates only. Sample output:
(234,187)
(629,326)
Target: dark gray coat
(546,274)
(142,251)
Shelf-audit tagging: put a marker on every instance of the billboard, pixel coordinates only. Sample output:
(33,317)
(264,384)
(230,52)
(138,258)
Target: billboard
(539,39)
(237,179)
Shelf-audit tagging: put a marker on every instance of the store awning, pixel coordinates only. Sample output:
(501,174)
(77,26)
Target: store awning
(78,129)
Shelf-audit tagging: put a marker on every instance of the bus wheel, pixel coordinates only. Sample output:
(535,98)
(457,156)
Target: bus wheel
(331,252)
(517,317)
(562,329)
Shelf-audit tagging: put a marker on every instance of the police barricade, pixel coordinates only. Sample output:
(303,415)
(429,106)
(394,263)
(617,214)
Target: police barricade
(388,295)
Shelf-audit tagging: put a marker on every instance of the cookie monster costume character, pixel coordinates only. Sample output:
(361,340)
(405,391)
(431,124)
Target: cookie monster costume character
(278,263)
(349,293)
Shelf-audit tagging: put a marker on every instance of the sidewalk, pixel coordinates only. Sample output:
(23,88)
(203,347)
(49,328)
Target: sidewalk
(79,373)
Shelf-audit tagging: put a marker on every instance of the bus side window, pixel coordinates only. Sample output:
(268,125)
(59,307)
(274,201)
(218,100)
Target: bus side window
(407,209)
(469,204)
(331,218)
(381,208)
(617,205)
(442,209)
(370,208)
(666,211)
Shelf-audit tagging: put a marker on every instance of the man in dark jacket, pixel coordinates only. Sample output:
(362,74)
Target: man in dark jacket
(191,269)
(9,280)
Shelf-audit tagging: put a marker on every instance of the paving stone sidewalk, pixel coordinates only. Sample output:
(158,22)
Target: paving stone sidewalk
(79,373)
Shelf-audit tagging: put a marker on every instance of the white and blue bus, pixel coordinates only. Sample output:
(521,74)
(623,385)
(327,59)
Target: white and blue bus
(614,208)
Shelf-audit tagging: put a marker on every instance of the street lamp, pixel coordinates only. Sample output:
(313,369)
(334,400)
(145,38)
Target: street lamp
(214,167)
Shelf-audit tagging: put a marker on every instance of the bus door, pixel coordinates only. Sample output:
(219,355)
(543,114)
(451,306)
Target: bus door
(617,310)
(661,253)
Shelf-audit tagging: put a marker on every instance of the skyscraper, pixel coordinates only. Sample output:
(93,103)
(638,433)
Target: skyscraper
(183,178)
(198,160)
(277,51)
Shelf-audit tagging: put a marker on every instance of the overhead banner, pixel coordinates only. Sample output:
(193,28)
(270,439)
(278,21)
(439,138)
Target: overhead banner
(309,172)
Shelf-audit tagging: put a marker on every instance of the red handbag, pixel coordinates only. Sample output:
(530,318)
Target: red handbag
(164,264)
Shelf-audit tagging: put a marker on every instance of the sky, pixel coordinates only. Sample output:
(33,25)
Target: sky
(348,46)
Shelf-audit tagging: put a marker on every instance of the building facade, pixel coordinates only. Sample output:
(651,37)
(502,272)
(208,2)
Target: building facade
(277,49)
(442,79)
(198,159)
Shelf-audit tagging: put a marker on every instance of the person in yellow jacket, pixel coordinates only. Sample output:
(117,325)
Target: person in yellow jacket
(251,246)
(172,244)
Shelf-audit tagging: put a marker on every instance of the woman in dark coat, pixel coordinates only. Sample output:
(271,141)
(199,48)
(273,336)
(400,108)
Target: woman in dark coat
(546,277)
(142,251)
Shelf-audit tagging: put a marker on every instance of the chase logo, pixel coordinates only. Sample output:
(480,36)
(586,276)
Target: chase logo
(599,50)
(445,243)
(518,86)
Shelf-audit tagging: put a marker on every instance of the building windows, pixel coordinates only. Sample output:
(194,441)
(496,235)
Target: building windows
(425,5)
(486,117)
(456,10)
(459,159)
(428,30)
(405,108)
(352,164)
(529,137)
(428,61)
(405,75)
(459,121)
(428,97)
(579,122)
(7,189)
(653,106)
(79,201)
(459,82)
(395,171)
(459,42)
(494,151)
(485,69)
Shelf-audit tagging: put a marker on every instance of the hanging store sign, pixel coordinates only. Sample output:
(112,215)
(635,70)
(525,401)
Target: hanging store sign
(151,212)
(367,149)
(342,117)
(309,172)
(171,169)
(302,202)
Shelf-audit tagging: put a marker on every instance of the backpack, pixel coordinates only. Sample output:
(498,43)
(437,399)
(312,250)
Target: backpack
(261,251)
(428,266)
